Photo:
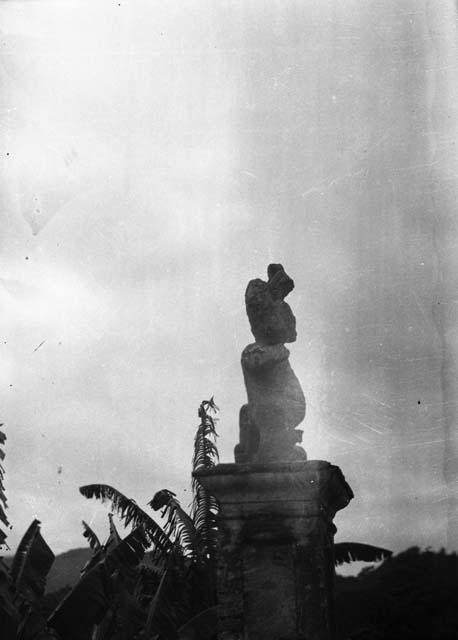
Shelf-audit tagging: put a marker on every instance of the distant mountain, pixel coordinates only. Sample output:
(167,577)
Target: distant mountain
(64,574)
(66,569)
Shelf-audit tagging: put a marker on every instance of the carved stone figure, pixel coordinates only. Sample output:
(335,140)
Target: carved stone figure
(271,318)
(276,403)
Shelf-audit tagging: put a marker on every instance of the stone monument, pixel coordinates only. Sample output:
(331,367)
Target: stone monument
(275,559)
(276,403)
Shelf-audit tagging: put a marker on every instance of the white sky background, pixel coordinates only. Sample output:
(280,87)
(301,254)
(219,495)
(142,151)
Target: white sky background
(154,158)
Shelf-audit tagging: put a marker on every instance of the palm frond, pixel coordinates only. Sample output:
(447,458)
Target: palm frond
(91,537)
(357,551)
(131,514)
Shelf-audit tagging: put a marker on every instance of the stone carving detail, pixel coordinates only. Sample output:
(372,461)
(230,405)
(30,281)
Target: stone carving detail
(276,403)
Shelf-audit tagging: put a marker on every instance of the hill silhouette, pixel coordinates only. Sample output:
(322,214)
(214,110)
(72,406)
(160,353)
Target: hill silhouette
(66,569)
(413,595)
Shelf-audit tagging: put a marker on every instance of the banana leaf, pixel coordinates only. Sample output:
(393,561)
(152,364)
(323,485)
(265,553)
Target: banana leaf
(31,564)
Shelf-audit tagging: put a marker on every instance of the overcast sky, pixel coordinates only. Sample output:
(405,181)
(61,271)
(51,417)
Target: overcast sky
(155,156)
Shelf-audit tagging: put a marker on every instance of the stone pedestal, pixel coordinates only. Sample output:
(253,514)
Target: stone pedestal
(275,560)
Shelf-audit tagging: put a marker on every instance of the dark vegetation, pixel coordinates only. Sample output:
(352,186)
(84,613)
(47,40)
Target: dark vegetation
(410,596)
(158,582)
(153,583)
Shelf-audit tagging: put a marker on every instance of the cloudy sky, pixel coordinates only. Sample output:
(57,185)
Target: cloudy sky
(154,158)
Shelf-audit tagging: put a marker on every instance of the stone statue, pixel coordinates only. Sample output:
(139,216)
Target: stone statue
(276,403)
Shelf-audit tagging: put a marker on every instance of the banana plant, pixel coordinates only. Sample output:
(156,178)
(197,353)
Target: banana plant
(3,501)
(23,584)
(176,581)
(88,603)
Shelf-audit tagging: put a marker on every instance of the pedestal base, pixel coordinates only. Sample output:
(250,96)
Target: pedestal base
(276,561)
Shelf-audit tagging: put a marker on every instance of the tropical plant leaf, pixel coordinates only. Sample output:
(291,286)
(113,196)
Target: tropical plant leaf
(205,451)
(177,580)
(205,516)
(179,525)
(153,608)
(131,514)
(205,507)
(124,618)
(9,614)
(31,564)
(91,537)
(114,538)
(94,595)
(129,552)
(357,551)
(171,604)
(85,605)
(3,500)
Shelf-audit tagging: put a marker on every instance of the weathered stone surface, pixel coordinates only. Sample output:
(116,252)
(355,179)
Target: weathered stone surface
(276,553)
(276,403)
(271,319)
(275,559)
(246,449)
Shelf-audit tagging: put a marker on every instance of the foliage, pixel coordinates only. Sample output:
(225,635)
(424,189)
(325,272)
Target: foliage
(158,582)
(178,525)
(100,586)
(3,501)
(23,585)
(131,514)
(205,507)
(31,564)
(176,581)
(410,596)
